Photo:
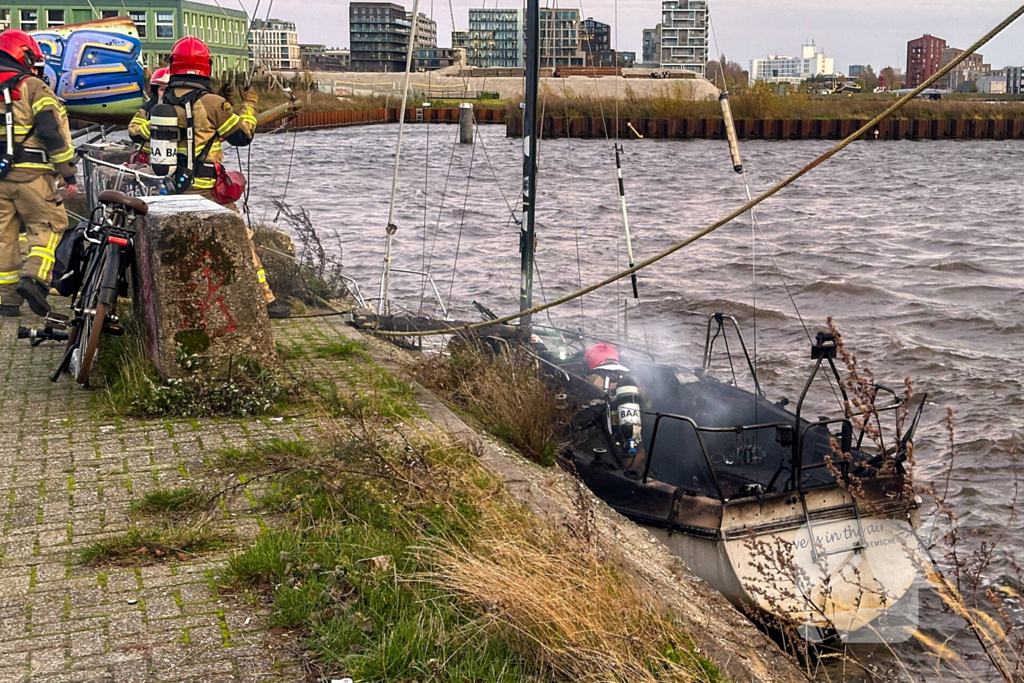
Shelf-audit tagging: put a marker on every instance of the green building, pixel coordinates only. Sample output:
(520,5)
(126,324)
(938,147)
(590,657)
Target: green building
(159,23)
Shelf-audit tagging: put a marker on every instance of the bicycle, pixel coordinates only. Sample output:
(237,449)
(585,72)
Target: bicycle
(104,265)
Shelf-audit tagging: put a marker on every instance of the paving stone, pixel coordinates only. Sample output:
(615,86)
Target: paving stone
(68,478)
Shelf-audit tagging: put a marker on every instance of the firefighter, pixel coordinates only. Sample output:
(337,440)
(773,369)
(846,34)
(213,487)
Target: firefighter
(212,122)
(41,155)
(140,123)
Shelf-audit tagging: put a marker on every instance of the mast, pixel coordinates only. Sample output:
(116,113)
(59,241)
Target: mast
(527,236)
(391,229)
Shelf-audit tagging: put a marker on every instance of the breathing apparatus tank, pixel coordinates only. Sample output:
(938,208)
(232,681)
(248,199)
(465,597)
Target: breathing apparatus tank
(163,142)
(626,407)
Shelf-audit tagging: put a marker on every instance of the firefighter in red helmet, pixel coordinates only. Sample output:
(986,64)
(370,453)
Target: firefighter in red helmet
(157,85)
(36,154)
(208,120)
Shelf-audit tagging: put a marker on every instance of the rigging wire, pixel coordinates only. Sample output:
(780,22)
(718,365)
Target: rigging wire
(440,210)
(462,221)
(755,229)
(572,202)
(731,216)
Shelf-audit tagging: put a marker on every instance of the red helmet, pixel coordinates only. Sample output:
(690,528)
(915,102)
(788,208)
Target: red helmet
(21,46)
(191,56)
(161,76)
(599,354)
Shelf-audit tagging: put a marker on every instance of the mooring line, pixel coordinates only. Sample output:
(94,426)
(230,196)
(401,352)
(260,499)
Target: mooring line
(899,104)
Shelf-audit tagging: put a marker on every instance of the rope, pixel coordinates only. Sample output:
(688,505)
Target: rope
(867,127)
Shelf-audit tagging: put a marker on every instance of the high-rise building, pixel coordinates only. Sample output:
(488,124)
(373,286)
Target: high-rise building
(684,35)
(495,38)
(560,38)
(924,58)
(460,38)
(426,31)
(595,39)
(159,23)
(856,70)
(652,45)
(793,70)
(378,36)
(274,45)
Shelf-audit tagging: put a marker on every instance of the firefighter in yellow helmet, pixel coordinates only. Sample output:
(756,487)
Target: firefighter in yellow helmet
(35,153)
(212,121)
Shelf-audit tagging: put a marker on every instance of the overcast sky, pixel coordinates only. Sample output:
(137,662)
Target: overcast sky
(853,32)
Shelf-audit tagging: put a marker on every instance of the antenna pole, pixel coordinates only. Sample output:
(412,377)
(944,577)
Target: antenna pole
(385,275)
(528,236)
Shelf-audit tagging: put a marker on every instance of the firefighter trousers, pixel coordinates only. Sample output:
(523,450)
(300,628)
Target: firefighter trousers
(261,275)
(38,206)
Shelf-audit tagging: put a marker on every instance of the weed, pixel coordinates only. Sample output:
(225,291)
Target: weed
(134,388)
(164,542)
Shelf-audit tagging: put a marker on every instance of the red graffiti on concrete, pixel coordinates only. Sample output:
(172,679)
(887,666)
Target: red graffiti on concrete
(209,302)
(195,310)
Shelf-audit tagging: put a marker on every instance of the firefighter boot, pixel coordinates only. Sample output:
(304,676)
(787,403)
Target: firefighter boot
(34,293)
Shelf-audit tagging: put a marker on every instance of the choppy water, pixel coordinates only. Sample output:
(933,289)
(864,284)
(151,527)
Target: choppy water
(914,247)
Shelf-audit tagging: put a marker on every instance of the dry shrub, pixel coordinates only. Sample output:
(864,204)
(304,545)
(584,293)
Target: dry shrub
(566,607)
(503,389)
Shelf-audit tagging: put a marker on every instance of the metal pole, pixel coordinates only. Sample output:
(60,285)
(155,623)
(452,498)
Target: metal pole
(527,236)
(385,276)
(625,218)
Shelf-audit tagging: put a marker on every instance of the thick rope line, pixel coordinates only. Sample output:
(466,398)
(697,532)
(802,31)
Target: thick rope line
(899,104)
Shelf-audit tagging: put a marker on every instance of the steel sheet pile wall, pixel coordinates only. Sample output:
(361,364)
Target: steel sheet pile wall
(781,129)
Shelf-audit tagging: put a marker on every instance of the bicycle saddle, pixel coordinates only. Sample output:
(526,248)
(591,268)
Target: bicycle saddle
(134,203)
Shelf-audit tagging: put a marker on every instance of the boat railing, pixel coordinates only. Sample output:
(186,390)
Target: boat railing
(426,276)
(783,431)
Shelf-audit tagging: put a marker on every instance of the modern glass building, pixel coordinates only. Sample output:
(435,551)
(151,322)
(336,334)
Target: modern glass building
(378,36)
(595,39)
(684,35)
(495,38)
(560,38)
(159,24)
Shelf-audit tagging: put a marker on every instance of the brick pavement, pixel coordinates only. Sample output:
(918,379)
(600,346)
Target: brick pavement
(67,478)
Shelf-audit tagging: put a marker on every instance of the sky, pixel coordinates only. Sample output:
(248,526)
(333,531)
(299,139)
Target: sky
(864,32)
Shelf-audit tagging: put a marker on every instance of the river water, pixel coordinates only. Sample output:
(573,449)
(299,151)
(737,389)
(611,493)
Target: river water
(915,249)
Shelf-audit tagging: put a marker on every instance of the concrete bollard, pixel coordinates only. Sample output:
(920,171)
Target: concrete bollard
(195,286)
(466,123)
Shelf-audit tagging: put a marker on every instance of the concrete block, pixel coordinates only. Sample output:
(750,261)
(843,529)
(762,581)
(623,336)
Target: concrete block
(196,287)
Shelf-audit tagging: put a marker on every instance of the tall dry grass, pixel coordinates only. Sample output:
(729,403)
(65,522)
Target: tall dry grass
(763,103)
(505,390)
(565,605)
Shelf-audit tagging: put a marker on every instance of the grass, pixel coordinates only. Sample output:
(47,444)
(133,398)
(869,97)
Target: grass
(401,559)
(346,348)
(407,561)
(505,391)
(170,540)
(176,502)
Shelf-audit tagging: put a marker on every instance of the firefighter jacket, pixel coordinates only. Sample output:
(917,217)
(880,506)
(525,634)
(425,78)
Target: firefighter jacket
(49,149)
(214,120)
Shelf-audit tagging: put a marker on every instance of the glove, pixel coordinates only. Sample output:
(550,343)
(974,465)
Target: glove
(251,96)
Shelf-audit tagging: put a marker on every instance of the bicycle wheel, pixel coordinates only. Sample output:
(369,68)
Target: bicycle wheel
(88,337)
(88,352)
